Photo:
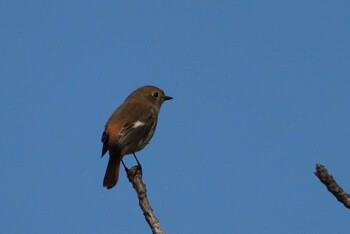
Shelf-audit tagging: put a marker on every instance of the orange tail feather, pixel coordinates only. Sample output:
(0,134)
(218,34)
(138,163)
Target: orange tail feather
(112,172)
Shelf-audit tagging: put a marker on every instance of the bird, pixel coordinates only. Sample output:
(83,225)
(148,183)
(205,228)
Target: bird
(130,128)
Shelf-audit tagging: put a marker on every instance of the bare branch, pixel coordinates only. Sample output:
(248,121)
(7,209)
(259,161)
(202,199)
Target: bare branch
(135,177)
(332,186)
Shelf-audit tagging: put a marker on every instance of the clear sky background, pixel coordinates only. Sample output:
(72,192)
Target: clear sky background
(261,94)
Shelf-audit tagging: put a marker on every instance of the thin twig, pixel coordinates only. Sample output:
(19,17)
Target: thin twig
(332,186)
(135,177)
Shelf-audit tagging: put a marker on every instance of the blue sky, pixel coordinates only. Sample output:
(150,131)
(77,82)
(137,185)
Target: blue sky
(261,94)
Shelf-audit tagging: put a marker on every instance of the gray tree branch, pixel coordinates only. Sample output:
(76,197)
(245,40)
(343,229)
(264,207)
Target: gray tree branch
(332,186)
(135,177)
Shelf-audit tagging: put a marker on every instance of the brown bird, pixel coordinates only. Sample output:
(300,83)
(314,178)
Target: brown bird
(130,128)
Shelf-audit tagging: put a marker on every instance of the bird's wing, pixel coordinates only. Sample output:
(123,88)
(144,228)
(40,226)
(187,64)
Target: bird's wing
(104,140)
(135,135)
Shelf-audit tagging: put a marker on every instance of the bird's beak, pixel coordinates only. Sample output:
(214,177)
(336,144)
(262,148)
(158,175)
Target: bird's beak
(167,98)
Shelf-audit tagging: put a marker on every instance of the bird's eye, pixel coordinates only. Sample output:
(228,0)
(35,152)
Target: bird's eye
(155,94)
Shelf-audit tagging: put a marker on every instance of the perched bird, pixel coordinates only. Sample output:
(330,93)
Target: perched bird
(130,128)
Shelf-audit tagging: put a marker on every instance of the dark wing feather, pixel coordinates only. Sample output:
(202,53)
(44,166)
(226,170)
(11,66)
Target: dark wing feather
(104,140)
(133,138)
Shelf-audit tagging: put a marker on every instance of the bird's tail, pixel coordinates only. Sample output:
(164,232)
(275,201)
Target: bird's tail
(112,172)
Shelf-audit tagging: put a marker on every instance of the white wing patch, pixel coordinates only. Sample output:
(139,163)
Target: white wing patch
(138,124)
